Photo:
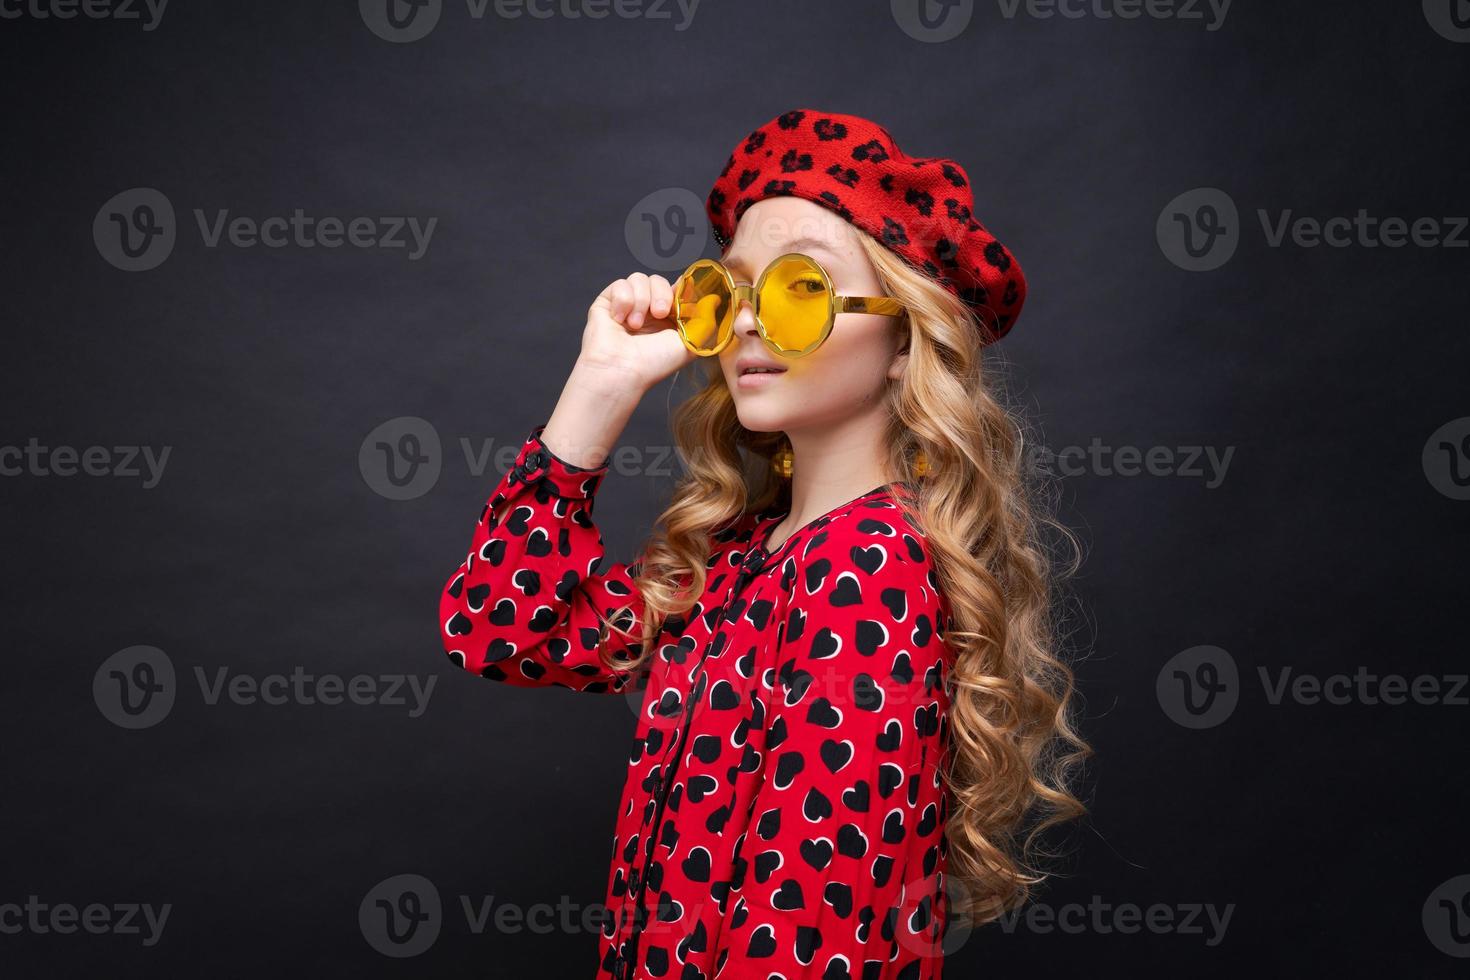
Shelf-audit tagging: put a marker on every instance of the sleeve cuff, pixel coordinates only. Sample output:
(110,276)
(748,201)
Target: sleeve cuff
(538,464)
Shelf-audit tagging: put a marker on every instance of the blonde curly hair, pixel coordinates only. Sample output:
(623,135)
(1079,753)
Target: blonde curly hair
(1015,747)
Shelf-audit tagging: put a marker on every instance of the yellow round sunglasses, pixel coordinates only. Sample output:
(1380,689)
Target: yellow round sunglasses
(793,301)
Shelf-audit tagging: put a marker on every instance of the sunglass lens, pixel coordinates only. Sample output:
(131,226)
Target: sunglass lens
(795,304)
(702,304)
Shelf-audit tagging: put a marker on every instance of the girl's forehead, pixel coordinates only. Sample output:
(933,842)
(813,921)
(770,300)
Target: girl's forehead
(790,225)
(816,247)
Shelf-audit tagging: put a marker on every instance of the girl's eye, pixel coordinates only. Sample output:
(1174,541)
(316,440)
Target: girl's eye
(808,286)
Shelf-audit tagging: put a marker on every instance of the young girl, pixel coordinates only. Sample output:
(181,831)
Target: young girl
(854,717)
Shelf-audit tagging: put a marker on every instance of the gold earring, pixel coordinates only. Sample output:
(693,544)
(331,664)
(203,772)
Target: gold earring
(782,462)
(921,463)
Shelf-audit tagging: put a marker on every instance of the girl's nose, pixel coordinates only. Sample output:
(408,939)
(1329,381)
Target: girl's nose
(745,313)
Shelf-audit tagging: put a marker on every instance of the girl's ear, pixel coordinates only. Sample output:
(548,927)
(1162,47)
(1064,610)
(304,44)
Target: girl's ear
(899,364)
(900,361)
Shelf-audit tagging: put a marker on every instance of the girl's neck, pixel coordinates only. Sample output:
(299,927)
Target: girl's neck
(830,467)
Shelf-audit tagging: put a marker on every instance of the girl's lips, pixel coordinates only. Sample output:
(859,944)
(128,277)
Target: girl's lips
(755,380)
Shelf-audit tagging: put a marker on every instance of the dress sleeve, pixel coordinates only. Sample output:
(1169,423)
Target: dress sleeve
(842,865)
(526,607)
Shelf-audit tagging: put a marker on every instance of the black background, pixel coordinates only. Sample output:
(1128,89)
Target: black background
(263,548)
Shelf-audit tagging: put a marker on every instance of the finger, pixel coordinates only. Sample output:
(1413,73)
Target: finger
(620,295)
(660,297)
(639,284)
(675,348)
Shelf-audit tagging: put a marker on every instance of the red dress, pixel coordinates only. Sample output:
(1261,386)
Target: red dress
(783,814)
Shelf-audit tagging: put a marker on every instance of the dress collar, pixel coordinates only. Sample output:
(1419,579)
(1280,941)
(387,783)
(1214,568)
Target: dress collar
(772,516)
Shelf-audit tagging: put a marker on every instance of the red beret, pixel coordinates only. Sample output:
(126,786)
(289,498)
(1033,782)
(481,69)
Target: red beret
(919,207)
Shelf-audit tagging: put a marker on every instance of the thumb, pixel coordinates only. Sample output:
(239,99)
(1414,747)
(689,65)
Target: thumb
(670,349)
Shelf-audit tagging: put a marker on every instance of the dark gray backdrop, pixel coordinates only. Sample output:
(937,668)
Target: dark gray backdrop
(1333,544)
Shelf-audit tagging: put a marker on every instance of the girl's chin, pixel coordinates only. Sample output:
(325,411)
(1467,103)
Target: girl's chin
(765,417)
